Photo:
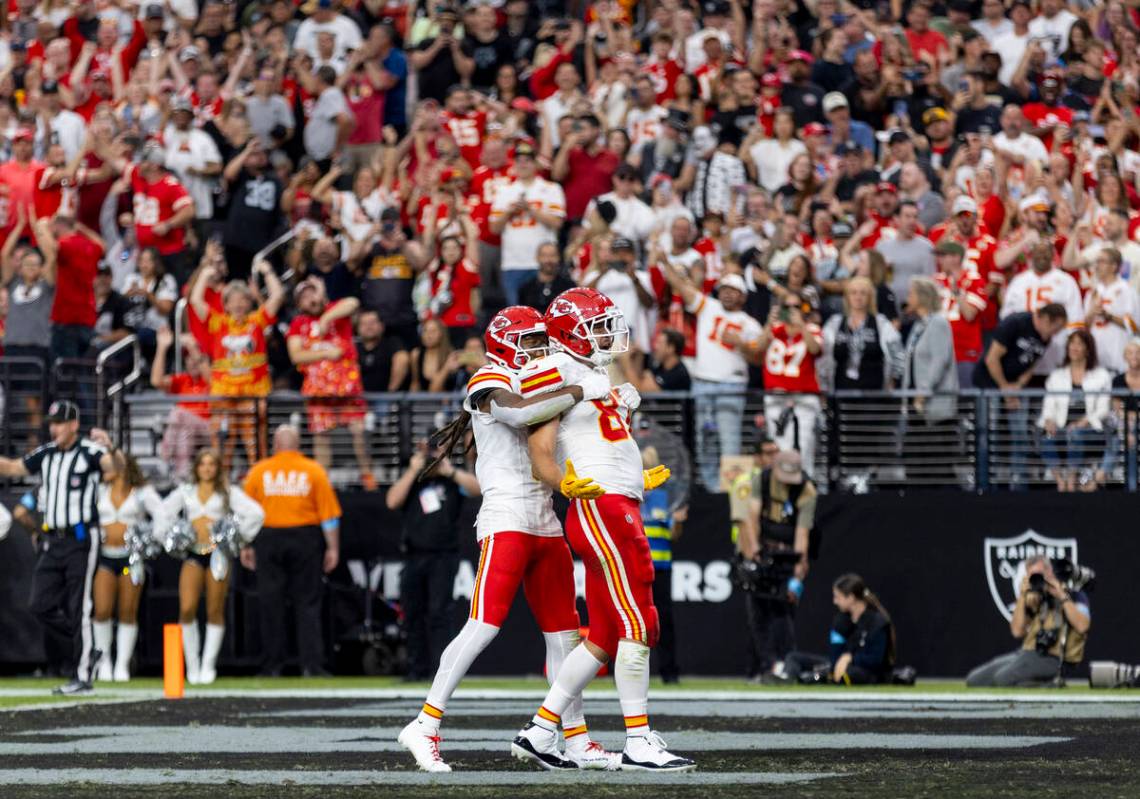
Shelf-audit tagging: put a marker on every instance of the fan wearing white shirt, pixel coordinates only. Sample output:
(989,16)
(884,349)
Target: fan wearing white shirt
(1111,310)
(1012,45)
(993,23)
(770,159)
(727,340)
(67,127)
(643,121)
(1019,146)
(634,219)
(1052,25)
(1039,286)
(613,271)
(324,18)
(192,155)
(527,213)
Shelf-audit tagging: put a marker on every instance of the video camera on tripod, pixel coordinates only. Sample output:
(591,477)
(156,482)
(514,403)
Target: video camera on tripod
(766,576)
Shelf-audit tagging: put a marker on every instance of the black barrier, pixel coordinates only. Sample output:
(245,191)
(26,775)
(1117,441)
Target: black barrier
(943,564)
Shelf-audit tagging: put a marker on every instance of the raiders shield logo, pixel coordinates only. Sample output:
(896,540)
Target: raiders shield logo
(1004,558)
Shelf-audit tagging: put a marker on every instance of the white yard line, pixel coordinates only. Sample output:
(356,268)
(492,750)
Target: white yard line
(141,776)
(818,695)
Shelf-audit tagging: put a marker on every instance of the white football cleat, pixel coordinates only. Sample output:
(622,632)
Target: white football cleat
(648,753)
(207,676)
(424,747)
(122,674)
(540,745)
(591,754)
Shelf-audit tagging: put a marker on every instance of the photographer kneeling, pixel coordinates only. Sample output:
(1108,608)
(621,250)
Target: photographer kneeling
(862,640)
(1048,615)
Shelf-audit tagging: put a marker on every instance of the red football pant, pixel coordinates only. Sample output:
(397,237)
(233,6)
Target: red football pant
(607,535)
(544,567)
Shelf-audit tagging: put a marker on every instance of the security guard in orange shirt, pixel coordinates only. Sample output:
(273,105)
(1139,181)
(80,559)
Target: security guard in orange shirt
(299,541)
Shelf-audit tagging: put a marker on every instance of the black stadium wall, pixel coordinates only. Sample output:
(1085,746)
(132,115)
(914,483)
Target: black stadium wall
(944,564)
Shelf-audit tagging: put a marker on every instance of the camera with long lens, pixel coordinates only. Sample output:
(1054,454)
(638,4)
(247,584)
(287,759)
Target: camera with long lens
(767,575)
(1107,674)
(1071,575)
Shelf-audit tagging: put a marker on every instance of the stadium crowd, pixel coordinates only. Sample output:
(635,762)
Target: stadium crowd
(799,196)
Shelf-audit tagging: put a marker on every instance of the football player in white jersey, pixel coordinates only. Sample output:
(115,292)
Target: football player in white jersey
(605,531)
(520,537)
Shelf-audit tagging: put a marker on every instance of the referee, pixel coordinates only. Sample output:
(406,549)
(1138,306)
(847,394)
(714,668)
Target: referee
(70,469)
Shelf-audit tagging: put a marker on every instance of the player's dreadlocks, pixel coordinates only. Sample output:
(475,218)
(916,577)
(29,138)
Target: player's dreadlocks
(449,439)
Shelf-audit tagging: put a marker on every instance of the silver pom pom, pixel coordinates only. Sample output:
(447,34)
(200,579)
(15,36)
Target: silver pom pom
(179,538)
(219,565)
(226,537)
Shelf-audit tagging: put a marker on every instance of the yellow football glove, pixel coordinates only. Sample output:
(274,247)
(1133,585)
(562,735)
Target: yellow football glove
(652,478)
(575,487)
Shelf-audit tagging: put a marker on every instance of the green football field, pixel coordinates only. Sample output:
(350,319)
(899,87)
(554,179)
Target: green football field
(258,738)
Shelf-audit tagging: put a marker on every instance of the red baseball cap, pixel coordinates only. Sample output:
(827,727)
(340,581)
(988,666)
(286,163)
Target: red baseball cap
(814,129)
(771,80)
(800,55)
(886,185)
(22,134)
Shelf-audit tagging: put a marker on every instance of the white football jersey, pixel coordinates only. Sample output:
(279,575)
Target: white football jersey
(1118,299)
(512,499)
(523,234)
(594,434)
(1029,291)
(716,360)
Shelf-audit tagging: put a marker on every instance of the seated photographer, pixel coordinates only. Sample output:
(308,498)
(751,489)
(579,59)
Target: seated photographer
(1047,615)
(776,529)
(862,640)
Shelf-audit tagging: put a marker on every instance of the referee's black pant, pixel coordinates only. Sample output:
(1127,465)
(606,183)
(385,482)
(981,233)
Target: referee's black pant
(62,599)
(289,561)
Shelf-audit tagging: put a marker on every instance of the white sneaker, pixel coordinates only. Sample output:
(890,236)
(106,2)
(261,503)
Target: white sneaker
(104,672)
(540,745)
(122,674)
(591,754)
(207,676)
(648,753)
(423,746)
(192,677)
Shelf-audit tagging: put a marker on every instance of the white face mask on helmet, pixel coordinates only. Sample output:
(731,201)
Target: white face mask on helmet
(611,325)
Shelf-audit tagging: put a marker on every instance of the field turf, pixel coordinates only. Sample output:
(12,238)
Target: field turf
(255,739)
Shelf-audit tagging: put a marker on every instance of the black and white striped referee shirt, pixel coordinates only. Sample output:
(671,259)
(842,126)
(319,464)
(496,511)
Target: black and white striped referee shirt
(70,482)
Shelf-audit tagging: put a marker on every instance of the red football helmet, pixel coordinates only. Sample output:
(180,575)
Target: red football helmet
(505,333)
(586,323)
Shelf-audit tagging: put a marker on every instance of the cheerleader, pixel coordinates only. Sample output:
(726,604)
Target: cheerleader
(204,500)
(125,500)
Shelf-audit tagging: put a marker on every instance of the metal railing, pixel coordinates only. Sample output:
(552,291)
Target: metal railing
(863,441)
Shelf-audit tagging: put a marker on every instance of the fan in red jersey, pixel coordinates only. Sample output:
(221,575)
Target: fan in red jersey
(790,346)
(465,124)
(162,206)
(963,301)
(967,229)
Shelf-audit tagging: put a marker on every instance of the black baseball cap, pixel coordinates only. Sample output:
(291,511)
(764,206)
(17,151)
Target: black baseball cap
(621,243)
(390,214)
(63,411)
